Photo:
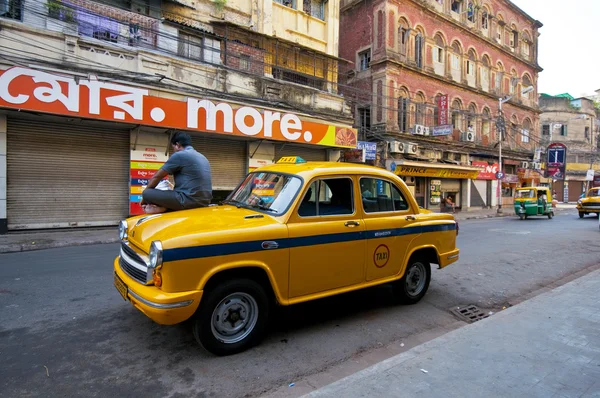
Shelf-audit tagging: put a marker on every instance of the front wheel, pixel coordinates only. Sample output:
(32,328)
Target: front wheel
(522,216)
(550,215)
(415,282)
(232,317)
(581,214)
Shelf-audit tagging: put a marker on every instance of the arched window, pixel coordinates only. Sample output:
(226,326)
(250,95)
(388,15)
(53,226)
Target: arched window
(499,29)
(526,131)
(472,118)
(526,45)
(471,12)
(420,109)
(499,78)
(486,121)
(403,110)
(527,83)
(471,65)
(419,44)
(513,40)
(485,73)
(514,81)
(455,64)
(403,35)
(457,115)
(439,63)
(485,20)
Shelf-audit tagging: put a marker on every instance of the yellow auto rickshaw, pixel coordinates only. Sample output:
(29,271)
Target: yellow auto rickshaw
(533,201)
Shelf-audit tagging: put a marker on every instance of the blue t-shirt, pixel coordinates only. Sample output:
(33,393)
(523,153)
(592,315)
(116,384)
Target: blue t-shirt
(191,171)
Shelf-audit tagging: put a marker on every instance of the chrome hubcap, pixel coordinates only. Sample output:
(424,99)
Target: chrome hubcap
(234,318)
(415,279)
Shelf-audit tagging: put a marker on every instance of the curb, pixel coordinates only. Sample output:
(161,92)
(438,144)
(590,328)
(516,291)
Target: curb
(25,247)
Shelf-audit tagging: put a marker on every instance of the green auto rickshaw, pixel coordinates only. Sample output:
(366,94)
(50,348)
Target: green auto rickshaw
(533,201)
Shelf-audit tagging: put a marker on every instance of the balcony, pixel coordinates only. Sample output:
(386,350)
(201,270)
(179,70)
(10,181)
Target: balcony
(95,20)
(298,26)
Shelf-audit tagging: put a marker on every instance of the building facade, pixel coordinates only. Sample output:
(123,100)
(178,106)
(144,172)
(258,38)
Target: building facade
(573,122)
(426,83)
(91,91)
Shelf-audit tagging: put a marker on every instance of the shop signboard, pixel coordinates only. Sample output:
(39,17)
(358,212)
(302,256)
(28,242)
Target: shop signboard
(61,94)
(488,171)
(370,149)
(144,163)
(435,191)
(510,179)
(442,104)
(442,130)
(556,161)
(403,170)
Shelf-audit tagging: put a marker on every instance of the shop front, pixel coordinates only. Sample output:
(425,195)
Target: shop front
(432,183)
(79,151)
(482,192)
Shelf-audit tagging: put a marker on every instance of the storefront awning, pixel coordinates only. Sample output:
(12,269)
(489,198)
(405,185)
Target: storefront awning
(435,170)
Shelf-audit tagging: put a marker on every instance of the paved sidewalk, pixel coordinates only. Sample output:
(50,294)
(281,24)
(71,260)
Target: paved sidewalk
(37,240)
(548,346)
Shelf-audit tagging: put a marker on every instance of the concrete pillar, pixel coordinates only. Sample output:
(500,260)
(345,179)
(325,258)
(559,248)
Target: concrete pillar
(3,179)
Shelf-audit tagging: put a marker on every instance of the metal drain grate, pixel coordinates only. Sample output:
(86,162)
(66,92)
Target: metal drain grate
(470,313)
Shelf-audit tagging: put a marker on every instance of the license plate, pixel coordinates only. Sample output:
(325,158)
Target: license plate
(121,287)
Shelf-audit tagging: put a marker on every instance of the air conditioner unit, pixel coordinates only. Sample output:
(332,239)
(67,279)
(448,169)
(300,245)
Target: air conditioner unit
(418,130)
(426,131)
(411,148)
(467,136)
(536,165)
(397,147)
(524,165)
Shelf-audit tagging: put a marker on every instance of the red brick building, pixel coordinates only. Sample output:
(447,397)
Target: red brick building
(407,55)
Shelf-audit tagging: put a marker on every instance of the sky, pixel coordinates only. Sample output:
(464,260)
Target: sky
(569,49)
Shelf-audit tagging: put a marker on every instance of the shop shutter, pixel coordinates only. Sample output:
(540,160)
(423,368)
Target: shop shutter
(228,160)
(66,174)
(450,185)
(305,152)
(575,190)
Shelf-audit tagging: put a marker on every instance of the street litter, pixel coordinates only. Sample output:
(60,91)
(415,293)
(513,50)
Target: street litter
(424,371)
(47,372)
(292,384)
(401,344)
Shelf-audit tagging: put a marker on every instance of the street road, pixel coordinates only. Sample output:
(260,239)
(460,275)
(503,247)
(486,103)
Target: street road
(65,331)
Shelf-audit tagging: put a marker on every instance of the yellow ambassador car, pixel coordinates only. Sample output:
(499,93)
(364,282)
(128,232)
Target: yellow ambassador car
(291,232)
(590,203)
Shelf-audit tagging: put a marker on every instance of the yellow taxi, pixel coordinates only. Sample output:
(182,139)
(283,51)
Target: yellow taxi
(590,203)
(291,232)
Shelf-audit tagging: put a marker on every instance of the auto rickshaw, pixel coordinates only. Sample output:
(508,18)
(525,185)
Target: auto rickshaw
(533,201)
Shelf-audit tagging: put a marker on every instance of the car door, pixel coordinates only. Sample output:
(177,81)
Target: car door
(388,218)
(327,238)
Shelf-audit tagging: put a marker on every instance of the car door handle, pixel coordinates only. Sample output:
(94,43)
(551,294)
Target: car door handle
(351,224)
(410,218)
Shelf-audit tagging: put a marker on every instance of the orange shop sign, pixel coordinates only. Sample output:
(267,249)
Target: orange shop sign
(33,90)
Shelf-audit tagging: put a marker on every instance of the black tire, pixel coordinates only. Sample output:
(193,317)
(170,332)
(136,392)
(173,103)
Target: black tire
(522,216)
(550,215)
(581,214)
(403,289)
(247,294)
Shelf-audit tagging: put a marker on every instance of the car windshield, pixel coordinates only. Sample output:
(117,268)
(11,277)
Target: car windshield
(526,193)
(269,192)
(593,193)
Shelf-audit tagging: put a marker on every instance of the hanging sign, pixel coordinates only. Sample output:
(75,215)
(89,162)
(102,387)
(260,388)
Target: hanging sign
(556,161)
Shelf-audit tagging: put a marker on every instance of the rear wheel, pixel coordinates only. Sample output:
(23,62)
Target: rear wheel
(522,216)
(232,317)
(550,215)
(581,214)
(415,282)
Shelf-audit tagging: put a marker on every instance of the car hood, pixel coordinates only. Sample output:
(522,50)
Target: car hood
(593,199)
(207,225)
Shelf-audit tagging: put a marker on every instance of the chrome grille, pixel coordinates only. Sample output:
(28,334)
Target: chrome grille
(133,272)
(133,265)
(592,204)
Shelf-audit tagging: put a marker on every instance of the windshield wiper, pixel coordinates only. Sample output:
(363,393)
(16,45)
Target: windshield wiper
(236,203)
(265,208)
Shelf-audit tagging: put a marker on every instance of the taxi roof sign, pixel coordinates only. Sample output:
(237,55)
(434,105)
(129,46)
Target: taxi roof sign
(291,160)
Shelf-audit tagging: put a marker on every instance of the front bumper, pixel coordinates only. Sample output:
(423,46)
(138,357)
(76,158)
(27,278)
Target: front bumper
(588,209)
(449,258)
(162,307)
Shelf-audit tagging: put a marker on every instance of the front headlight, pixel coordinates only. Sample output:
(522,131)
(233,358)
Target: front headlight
(579,202)
(156,254)
(123,230)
